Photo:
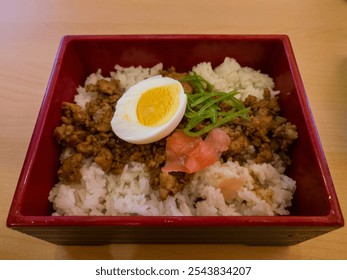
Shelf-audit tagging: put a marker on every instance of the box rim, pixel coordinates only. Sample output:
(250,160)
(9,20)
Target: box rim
(16,219)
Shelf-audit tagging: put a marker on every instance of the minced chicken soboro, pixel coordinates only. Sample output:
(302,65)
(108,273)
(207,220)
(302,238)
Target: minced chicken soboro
(101,174)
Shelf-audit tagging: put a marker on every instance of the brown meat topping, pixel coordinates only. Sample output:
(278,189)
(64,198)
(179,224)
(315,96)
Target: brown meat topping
(70,168)
(169,185)
(265,131)
(171,72)
(89,134)
(109,87)
(69,135)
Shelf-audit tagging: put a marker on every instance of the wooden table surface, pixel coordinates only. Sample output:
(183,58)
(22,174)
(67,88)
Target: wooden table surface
(30,32)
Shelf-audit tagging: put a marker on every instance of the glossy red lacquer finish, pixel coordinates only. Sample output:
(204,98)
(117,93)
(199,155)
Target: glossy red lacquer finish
(315,208)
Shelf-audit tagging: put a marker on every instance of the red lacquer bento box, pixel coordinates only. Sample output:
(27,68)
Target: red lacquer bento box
(315,209)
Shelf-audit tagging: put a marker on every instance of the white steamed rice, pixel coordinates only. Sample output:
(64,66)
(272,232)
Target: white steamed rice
(265,191)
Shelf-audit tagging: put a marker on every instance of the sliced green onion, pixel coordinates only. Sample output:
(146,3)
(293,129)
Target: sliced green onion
(203,106)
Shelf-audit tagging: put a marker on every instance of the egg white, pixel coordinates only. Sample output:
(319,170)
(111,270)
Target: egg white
(125,123)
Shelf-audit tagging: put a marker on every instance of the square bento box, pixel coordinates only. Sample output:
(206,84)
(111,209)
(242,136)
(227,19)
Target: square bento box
(315,210)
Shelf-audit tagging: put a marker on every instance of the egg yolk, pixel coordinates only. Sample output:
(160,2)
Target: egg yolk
(158,105)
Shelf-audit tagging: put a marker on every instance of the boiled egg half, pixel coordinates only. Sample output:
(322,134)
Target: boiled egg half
(149,110)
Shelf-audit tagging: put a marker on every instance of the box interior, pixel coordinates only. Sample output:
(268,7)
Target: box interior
(79,57)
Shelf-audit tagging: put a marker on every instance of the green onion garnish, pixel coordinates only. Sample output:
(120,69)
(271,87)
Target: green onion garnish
(203,105)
